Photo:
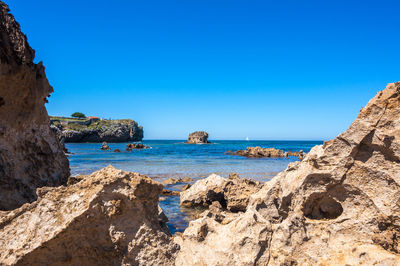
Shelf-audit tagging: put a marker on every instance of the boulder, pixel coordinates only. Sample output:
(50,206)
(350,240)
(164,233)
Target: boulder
(117,150)
(198,137)
(232,193)
(30,154)
(204,192)
(258,152)
(340,205)
(111,217)
(105,147)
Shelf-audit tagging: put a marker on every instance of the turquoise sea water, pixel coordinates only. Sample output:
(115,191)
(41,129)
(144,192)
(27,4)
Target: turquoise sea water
(173,158)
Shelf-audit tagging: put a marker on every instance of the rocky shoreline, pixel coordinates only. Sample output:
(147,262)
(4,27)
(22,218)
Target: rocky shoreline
(338,206)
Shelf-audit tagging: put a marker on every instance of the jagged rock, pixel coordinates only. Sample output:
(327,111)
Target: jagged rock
(111,217)
(204,192)
(137,146)
(340,205)
(185,187)
(30,154)
(105,147)
(198,137)
(237,192)
(95,130)
(232,194)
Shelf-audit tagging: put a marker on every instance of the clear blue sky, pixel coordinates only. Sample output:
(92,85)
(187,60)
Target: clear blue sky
(262,69)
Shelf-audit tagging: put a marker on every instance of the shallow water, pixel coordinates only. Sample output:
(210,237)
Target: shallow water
(173,158)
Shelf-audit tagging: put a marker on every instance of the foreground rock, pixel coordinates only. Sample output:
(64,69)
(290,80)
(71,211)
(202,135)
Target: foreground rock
(108,218)
(96,130)
(30,154)
(258,152)
(340,205)
(232,193)
(198,137)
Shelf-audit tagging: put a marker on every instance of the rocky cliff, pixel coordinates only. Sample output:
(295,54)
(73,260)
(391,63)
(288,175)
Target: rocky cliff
(30,154)
(339,206)
(108,218)
(123,130)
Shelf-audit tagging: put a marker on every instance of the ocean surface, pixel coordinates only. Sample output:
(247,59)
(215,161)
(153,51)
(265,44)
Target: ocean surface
(174,158)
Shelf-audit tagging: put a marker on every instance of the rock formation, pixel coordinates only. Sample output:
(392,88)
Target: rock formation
(137,146)
(232,193)
(258,152)
(340,205)
(76,130)
(198,137)
(30,154)
(105,147)
(108,218)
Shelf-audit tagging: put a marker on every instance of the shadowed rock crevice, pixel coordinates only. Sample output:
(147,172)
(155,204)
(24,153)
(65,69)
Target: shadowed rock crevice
(322,206)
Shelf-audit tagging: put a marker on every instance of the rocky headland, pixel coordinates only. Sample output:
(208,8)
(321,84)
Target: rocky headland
(30,154)
(198,137)
(97,130)
(258,152)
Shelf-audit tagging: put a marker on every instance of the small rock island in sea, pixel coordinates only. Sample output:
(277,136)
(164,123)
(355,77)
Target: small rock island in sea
(198,137)
(94,129)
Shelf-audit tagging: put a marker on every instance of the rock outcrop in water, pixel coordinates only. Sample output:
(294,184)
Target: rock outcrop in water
(30,154)
(96,130)
(340,205)
(198,137)
(258,152)
(108,218)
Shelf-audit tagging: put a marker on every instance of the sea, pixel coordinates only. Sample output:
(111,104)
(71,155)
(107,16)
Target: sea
(175,159)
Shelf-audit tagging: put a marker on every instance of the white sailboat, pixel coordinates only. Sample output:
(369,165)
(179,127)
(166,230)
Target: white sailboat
(247,138)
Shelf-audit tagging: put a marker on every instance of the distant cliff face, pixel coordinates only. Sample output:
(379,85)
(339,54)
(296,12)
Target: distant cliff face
(30,155)
(198,137)
(73,130)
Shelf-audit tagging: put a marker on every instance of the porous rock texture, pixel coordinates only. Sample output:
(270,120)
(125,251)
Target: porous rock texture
(340,205)
(30,154)
(110,217)
(258,152)
(198,137)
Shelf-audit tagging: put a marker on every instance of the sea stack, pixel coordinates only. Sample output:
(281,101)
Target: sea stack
(30,154)
(198,137)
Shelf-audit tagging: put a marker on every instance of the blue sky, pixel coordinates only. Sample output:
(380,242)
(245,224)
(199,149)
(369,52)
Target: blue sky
(262,69)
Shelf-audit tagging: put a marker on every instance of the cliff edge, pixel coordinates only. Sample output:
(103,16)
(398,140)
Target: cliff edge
(30,154)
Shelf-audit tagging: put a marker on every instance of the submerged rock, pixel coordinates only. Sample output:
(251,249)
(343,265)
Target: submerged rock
(111,217)
(30,154)
(340,205)
(198,137)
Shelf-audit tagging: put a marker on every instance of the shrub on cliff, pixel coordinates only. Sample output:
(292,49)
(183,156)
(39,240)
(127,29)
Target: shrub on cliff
(78,115)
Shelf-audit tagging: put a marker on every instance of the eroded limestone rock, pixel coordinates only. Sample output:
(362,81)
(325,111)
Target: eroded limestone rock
(30,154)
(111,217)
(198,137)
(340,205)
(232,194)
